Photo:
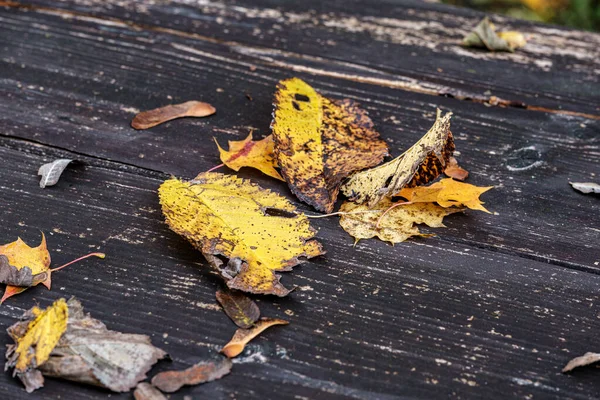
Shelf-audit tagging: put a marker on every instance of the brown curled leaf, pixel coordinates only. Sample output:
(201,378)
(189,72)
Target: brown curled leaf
(206,371)
(453,170)
(148,119)
(239,307)
(243,336)
(145,391)
(319,142)
(581,361)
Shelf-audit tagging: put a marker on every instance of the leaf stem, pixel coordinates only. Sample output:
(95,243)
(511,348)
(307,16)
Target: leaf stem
(99,255)
(389,209)
(216,167)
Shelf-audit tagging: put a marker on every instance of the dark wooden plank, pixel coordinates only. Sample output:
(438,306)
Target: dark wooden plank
(428,319)
(411,45)
(74,84)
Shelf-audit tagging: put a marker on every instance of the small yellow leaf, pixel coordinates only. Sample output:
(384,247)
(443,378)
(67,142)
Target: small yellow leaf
(319,142)
(447,193)
(248,153)
(420,164)
(41,336)
(243,336)
(259,231)
(397,225)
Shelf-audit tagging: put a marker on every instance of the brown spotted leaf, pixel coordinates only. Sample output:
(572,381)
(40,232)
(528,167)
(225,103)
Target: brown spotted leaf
(239,307)
(207,371)
(420,164)
(243,336)
(148,119)
(319,142)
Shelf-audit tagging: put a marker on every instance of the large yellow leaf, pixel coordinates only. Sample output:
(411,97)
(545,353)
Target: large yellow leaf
(319,142)
(249,153)
(447,193)
(258,231)
(42,335)
(420,164)
(395,226)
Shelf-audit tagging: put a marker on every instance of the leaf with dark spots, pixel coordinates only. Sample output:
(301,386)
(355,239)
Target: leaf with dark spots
(239,307)
(148,119)
(203,372)
(51,172)
(243,336)
(319,142)
(224,217)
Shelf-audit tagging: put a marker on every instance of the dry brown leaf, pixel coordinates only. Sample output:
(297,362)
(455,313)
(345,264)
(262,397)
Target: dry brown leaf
(453,170)
(420,164)
(206,371)
(581,361)
(258,231)
(145,391)
(249,153)
(319,142)
(243,336)
(86,351)
(397,225)
(239,307)
(148,119)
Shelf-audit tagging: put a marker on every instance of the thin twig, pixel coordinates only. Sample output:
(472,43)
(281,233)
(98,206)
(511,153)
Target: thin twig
(99,255)
(216,167)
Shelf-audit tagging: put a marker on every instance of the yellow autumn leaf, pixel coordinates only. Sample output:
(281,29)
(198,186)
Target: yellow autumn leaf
(258,231)
(248,153)
(398,223)
(420,164)
(20,256)
(319,142)
(42,335)
(447,193)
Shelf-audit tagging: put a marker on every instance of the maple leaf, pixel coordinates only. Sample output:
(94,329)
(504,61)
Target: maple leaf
(202,372)
(420,164)
(63,342)
(398,223)
(447,193)
(242,336)
(22,266)
(239,307)
(319,142)
(248,153)
(259,231)
(148,119)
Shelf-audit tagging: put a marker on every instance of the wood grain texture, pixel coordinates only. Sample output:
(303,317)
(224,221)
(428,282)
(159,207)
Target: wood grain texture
(492,307)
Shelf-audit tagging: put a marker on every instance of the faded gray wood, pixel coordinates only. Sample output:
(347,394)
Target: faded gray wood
(494,306)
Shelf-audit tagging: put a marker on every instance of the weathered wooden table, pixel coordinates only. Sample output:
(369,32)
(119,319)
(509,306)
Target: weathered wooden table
(494,306)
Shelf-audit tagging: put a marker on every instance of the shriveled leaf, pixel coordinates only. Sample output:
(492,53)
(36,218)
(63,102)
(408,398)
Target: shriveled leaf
(397,225)
(484,35)
(586,187)
(248,153)
(148,119)
(239,307)
(258,231)
(51,172)
(243,336)
(420,164)
(145,391)
(20,257)
(86,351)
(207,371)
(39,338)
(319,142)
(447,193)
(581,361)
(453,170)
(11,275)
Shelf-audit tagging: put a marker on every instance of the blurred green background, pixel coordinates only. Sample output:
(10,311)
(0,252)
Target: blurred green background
(582,14)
